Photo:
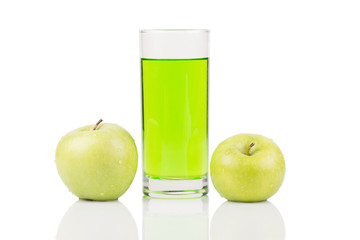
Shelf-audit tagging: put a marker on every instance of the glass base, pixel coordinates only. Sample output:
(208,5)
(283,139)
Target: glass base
(175,188)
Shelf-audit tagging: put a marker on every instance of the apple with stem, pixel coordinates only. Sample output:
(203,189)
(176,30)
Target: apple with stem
(97,162)
(247,168)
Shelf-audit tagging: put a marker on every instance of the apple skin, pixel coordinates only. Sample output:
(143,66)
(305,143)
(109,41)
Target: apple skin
(97,164)
(247,178)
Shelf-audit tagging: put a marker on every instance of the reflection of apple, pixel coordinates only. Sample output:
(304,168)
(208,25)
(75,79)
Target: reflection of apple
(97,220)
(252,221)
(97,162)
(247,168)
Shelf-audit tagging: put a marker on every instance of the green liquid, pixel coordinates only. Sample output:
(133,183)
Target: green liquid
(175,93)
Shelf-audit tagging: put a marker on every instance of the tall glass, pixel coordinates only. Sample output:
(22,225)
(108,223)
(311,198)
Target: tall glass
(174,66)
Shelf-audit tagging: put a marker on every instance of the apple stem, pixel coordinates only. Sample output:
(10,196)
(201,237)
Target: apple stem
(97,124)
(250,146)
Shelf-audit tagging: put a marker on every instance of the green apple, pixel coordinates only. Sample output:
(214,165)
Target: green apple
(97,162)
(247,168)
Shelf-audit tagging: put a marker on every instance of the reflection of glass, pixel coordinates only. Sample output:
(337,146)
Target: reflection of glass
(97,220)
(174,67)
(175,219)
(251,221)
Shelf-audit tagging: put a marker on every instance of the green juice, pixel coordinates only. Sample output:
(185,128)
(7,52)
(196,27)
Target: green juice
(174,95)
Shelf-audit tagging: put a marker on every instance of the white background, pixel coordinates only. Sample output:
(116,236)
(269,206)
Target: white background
(285,69)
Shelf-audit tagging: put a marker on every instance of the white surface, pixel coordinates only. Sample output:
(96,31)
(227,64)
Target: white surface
(174,44)
(288,70)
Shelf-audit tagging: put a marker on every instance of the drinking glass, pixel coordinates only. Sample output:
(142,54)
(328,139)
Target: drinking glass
(174,74)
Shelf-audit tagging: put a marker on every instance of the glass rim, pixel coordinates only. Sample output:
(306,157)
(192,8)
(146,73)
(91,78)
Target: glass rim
(173,30)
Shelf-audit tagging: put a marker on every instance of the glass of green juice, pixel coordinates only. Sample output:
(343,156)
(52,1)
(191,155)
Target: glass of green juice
(174,75)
